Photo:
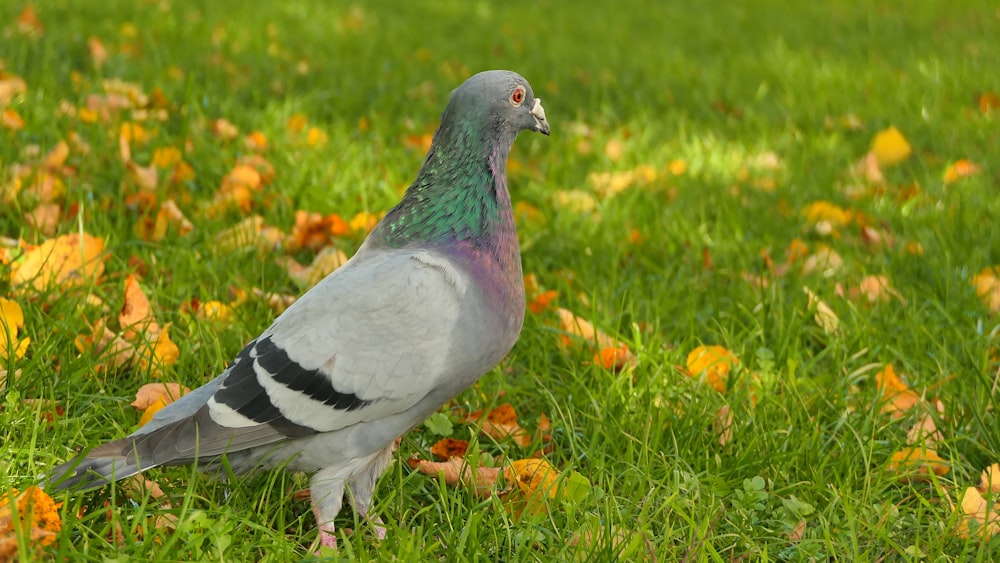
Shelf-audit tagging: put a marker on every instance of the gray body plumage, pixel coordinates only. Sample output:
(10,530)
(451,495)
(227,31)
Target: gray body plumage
(377,346)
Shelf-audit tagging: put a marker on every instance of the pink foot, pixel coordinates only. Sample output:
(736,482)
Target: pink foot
(327,537)
(380,530)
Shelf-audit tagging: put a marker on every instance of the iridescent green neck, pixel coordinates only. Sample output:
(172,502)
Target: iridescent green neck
(459,195)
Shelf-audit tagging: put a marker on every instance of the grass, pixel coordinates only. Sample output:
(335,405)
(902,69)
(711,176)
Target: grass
(713,87)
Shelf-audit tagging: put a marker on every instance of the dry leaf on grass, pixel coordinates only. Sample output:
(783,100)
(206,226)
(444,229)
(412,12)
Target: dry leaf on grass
(501,423)
(68,260)
(11,322)
(824,315)
(447,448)
(897,396)
(713,364)
(978,515)
(457,472)
(35,511)
(917,464)
(987,284)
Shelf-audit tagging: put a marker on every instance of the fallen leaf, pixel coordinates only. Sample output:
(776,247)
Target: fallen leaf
(68,260)
(541,302)
(136,317)
(11,119)
(989,483)
(897,396)
(712,365)
(960,169)
(917,464)
(35,513)
(824,315)
(988,101)
(161,354)
(583,329)
(447,448)
(724,425)
(824,260)
(978,515)
(149,393)
(11,322)
(615,358)
(878,289)
(987,284)
(501,423)
(575,201)
(457,472)
(326,261)
(890,147)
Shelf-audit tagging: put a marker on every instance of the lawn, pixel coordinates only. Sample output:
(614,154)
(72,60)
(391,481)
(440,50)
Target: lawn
(807,192)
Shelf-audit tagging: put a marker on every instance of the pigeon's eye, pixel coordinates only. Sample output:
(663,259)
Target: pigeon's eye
(517,96)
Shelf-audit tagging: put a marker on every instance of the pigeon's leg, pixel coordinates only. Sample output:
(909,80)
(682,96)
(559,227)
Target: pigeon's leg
(362,487)
(327,492)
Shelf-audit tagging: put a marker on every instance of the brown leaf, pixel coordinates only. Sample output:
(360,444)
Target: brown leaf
(458,473)
(447,448)
(136,317)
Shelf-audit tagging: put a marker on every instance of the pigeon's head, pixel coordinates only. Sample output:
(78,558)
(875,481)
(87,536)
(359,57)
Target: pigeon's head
(501,98)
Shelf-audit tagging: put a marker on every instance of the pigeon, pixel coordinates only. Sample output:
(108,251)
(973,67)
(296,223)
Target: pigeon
(432,300)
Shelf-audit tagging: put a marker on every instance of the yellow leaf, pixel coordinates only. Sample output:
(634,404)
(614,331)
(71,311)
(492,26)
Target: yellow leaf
(536,481)
(164,353)
(990,481)
(987,284)
(150,393)
(977,515)
(576,201)
(713,363)
(214,311)
(315,137)
(165,157)
(11,321)
(68,260)
(151,410)
(677,167)
(890,147)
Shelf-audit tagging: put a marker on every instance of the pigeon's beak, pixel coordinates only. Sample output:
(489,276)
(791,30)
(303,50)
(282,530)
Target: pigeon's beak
(538,112)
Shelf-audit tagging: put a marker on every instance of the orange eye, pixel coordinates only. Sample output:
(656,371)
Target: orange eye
(517,96)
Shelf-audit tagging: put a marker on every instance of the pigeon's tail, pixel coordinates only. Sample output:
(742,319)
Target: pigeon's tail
(111,462)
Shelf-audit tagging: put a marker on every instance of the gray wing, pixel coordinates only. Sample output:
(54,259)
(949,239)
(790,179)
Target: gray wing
(368,342)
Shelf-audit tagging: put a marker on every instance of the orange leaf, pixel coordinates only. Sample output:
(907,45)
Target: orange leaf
(988,101)
(11,120)
(541,301)
(150,393)
(713,363)
(987,284)
(580,327)
(457,472)
(68,260)
(960,169)
(615,358)
(57,156)
(35,512)
(536,481)
(917,464)
(898,397)
(136,315)
(447,448)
